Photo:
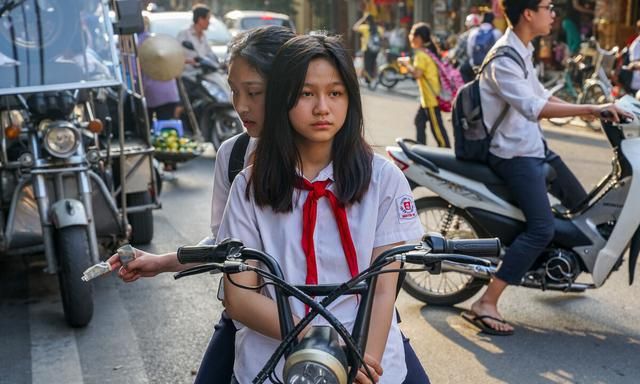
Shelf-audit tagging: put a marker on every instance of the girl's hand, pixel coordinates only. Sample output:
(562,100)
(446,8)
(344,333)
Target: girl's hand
(374,367)
(610,112)
(144,265)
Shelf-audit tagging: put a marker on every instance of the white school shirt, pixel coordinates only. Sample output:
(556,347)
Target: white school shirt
(502,81)
(221,184)
(386,215)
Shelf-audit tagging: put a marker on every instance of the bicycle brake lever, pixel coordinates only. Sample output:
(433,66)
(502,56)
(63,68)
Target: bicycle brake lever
(211,267)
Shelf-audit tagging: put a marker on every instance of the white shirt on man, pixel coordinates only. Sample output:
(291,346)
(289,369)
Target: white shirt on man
(386,215)
(634,55)
(200,44)
(502,82)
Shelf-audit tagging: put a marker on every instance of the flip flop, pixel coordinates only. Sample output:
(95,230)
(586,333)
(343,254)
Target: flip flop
(479,321)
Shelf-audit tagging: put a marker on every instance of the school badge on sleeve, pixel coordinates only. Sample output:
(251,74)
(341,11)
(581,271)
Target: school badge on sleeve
(406,208)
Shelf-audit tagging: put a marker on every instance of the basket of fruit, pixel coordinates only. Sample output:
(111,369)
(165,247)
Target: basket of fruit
(170,148)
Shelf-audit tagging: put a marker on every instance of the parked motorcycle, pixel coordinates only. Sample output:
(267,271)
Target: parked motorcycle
(329,354)
(72,178)
(205,88)
(471,202)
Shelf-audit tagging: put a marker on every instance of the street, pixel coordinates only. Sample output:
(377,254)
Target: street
(155,330)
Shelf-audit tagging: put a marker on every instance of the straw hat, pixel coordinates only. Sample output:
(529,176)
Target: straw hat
(161,57)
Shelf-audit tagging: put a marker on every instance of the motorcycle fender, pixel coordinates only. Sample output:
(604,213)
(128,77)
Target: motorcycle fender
(68,212)
(634,249)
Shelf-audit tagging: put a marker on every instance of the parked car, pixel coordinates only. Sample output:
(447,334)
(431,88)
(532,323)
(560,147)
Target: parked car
(238,21)
(171,23)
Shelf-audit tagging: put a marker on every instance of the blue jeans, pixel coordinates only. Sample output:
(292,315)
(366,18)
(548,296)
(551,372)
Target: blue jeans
(217,362)
(525,179)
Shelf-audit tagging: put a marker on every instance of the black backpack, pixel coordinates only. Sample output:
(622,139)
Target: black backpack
(236,159)
(471,136)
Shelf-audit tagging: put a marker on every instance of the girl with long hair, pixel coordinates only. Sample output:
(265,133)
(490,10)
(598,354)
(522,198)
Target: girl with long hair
(425,71)
(314,192)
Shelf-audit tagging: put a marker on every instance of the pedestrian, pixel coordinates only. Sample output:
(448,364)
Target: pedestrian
(425,71)
(163,99)
(313,137)
(519,154)
(196,35)
(482,39)
(461,56)
(370,44)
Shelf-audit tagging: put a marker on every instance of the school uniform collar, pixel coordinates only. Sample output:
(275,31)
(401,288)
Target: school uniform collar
(526,52)
(325,173)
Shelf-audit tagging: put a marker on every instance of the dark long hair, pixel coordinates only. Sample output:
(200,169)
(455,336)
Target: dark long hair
(259,46)
(424,31)
(277,160)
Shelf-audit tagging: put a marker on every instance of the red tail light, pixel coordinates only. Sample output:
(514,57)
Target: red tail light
(399,163)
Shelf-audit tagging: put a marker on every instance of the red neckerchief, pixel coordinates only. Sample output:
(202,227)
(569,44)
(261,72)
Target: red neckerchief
(309,215)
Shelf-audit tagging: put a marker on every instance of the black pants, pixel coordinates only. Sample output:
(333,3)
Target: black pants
(434,117)
(217,363)
(370,60)
(525,179)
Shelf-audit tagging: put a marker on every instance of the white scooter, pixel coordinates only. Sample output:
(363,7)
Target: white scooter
(472,201)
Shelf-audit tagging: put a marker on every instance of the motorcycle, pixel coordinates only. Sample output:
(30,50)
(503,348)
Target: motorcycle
(471,201)
(207,95)
(71,185)
(321,357)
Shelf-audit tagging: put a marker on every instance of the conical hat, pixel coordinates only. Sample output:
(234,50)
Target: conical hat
(161,57)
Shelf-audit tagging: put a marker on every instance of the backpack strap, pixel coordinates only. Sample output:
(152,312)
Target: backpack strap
(236,160)
(511,53)
(503,51)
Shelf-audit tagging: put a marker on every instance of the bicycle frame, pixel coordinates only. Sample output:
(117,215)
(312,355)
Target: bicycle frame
(230,256)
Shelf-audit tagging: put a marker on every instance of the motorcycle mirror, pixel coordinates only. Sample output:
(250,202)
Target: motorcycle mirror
(188,45)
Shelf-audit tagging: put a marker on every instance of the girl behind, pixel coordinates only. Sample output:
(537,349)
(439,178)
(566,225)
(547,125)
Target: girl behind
(312,147)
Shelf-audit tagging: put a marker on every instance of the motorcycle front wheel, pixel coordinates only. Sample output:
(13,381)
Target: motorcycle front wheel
(388,77)
(141,222)
(72,249)
(447,288)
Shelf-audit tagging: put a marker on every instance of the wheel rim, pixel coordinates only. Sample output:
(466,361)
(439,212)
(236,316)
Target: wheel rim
(453,226)
(227,126)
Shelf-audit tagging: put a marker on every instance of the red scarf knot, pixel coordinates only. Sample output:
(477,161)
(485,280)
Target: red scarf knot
(318,190)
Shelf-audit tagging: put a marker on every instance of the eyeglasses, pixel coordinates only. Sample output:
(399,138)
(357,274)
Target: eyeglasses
(549,7)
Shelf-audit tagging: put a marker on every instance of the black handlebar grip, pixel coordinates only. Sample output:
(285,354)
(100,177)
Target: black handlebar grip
(196,254)
(474,247)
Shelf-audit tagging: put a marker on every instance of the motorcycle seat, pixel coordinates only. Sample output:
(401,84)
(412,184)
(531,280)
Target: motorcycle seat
(446,159)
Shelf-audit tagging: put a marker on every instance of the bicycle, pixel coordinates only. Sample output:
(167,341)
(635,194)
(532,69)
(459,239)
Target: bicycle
(319,356)
(596,89)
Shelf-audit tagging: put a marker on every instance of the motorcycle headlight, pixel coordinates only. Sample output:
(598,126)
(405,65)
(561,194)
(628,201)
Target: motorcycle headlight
(318,358)
(61,139)
(216,91)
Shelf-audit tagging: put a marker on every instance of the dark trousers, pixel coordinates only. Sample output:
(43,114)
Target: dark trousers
(525,179)
(217,363)
(434,117)
(370,60)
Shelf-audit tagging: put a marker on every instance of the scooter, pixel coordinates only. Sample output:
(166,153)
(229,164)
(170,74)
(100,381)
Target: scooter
(208,101)
(472,201)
